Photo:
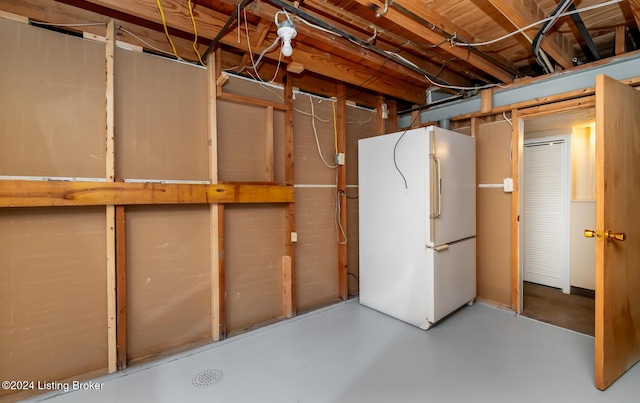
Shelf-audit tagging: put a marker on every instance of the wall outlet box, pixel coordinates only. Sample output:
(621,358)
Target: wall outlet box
(508,185)
(294,237)
(340,159)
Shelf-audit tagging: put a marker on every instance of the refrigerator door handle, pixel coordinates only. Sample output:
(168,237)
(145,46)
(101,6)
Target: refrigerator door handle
(437,194)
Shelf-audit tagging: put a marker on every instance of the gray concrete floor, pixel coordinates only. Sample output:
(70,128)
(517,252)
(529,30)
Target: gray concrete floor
(349,353)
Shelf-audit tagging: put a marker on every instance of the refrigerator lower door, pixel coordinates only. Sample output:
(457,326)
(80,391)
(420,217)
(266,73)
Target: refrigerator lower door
(451,278)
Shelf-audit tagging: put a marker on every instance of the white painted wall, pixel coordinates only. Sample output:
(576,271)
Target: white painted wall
(583,251)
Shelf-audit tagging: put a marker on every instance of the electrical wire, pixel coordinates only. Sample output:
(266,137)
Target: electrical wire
(395,148)
(315,133)
(337,212)
(166,30)
(195,32)
(504,115)
(150,46)
(589,8)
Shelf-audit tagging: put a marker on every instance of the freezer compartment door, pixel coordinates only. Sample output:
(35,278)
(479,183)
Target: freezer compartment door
(452,187)
(451,278)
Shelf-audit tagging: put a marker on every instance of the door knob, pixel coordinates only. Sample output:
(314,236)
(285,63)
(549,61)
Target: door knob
(612,236)
(589,233)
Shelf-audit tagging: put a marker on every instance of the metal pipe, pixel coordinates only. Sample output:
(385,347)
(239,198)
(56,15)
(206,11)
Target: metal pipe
(226,26)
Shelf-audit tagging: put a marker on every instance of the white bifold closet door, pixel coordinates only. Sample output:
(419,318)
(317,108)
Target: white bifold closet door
(545,213)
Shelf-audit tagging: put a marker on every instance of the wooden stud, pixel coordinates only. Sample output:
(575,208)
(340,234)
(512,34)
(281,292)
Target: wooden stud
(415,117)
(343,286)
(110,46)
(486,100)
(217,71)
(392,122)
(517,141)
(290,214)
(621,39)
(217,286)
(268,144)
(287,299)
(121,288)
(220,294)
(381,123)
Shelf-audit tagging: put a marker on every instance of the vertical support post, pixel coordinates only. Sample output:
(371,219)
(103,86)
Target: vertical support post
(517,140)
(221,294)
(475,126)
(621,39)
(216,219)
(341,125)
(415,117)
(392,124)
(287,298)
(486,100)
(110,45)
(217,68)
(121,287)
(289,287)
(381,123)
(268,145)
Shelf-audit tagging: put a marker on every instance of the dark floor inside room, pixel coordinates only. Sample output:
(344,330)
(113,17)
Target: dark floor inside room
(551,305)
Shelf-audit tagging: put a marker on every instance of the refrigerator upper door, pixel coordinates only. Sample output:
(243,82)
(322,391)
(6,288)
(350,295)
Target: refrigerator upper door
(452,187)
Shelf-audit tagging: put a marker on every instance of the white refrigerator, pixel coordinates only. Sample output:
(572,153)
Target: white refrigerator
(417,214)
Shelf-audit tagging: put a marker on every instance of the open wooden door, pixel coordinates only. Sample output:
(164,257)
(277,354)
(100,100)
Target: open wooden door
(617,232)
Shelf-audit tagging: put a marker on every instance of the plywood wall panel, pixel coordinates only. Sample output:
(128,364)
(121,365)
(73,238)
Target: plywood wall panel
(361,123)
(254,246)
(494,213)
(53,293)
(308,166)
(241,142)
(168,277)
(52,105)
(161,118)
(278,145)
(255,90)
(317,247)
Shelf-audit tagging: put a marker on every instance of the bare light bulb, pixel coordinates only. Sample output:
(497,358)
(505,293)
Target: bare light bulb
(286,32)
(287,50)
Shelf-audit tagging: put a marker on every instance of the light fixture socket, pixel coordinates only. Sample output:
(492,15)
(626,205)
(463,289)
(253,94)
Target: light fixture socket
(286,32)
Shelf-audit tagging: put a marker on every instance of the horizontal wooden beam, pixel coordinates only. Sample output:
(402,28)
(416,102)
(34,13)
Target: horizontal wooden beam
(239,99)
(21,193)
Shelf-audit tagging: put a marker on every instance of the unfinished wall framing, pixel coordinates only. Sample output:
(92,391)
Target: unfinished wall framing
(53,265)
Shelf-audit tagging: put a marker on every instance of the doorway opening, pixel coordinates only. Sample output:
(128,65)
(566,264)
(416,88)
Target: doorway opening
(557,204)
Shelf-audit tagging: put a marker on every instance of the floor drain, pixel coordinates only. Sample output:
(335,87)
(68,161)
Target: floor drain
(207,377)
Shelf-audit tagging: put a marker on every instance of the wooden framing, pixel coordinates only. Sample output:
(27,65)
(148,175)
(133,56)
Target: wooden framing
(517,141)
(219,282)
(392,125)
(250,101)
(289,287)
(287,298)
(268,145)
(110,52)
(21,193)
(121,289)
(343,286)
(380,120)
(621,40)
(217,271)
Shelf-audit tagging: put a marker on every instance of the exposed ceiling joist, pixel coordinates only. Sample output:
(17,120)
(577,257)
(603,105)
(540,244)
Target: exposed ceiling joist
(432,37)
(398,42)
(522,13)
(210,22)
